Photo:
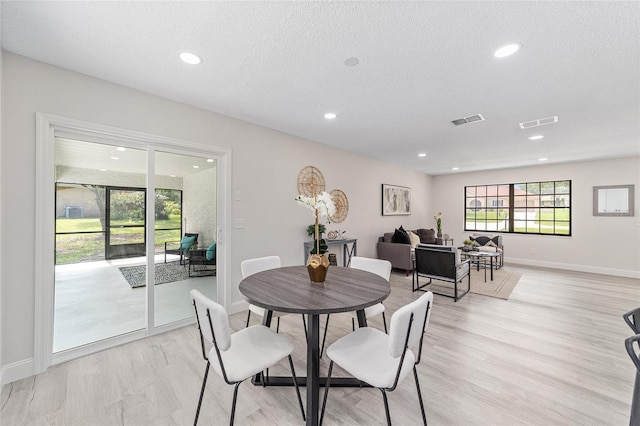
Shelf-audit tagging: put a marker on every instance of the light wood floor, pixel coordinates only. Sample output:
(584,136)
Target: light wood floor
(553,354)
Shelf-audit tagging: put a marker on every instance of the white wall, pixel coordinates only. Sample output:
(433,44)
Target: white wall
(607,245)
(265,168)
(199,205)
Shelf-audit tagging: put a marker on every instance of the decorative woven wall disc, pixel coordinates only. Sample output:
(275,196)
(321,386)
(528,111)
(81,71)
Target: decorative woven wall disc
(310,181)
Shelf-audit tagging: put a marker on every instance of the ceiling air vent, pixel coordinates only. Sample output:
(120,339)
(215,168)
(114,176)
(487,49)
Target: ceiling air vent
(469,119)
(539,122)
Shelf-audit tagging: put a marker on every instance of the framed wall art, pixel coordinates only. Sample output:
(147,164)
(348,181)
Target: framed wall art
(396,200)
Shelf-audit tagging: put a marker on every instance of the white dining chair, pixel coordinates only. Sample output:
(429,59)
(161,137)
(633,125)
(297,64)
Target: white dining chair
(238,356)
(379,267)
(384,360)
(259,264)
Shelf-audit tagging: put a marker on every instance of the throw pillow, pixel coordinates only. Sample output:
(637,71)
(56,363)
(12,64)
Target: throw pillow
(186,242)
(415,240)
(400,236)
(427,236)
(211,252)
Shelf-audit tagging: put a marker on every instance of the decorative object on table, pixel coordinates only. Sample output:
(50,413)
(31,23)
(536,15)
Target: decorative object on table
(322,206)
(341,202)
(446,236)
(438,219)
(333,260)
(310,181)
(337,234)
(396,200)
(468,244)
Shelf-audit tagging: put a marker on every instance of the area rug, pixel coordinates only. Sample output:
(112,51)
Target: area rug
(501,287)
(136,276)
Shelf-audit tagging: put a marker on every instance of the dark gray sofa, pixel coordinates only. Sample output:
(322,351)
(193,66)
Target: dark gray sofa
(401,255)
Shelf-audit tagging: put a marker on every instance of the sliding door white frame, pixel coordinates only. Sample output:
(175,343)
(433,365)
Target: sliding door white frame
(49,126)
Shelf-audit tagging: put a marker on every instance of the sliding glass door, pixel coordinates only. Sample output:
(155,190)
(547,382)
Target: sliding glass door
(185,237)
(103,227)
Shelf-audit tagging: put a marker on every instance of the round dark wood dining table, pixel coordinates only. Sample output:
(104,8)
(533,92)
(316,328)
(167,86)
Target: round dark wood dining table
(288,289)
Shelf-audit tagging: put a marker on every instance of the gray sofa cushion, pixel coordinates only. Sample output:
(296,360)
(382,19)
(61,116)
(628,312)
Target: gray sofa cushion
(427,236)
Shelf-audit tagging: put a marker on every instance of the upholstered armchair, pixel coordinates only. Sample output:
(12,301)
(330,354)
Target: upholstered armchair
(441,263)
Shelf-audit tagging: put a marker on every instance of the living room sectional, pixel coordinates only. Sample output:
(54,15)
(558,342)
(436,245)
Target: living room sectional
(401,255)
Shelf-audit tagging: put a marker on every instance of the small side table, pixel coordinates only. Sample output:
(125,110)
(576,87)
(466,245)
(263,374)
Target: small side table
(446,240)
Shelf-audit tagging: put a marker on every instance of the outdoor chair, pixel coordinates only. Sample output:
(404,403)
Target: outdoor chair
(384,360)
(202,262)
(180,247)
(440,263)
(238,356)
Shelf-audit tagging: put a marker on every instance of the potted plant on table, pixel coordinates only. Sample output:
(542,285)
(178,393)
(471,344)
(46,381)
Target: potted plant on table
(322,206)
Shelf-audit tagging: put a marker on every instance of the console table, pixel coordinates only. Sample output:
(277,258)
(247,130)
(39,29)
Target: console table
(349,249)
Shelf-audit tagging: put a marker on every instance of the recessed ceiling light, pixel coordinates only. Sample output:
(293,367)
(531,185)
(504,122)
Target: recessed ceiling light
(422,154)
(120,148)
(351,62)
(455,168)
(542,159)
(330,116)
(196,167)
(536,137)
(209,160)
(507,50)
(190,58)
(172,175)
(114,158)
(103,170)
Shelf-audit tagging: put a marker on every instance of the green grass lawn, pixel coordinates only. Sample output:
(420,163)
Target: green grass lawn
(78,247)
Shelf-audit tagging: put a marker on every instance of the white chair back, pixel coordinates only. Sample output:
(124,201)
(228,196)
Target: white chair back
(400,324)
(379,267)
(259,264)
(219,320)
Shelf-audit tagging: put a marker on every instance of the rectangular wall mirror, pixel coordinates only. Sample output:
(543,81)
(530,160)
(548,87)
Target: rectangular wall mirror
(613,200)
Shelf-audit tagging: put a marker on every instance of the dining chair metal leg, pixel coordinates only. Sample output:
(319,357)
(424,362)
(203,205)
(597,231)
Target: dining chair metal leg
(233,404)
(386,406)
(384,321)
(248,316)
(278,325)
(326,392)
(324,336)
(295,383)
(424,416)
(204,384)
(304,324)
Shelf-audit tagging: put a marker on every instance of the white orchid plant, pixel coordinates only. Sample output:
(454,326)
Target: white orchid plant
(322,206)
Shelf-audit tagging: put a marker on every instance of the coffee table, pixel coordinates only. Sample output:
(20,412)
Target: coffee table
(477,256)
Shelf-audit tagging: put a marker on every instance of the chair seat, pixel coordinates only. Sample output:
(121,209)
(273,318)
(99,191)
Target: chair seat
(374,310)
(260,311)
(365,355)
(462,271)
(252,350)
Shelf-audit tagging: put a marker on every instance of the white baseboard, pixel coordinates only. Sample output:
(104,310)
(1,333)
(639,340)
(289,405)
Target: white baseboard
(16,371)
(578,268)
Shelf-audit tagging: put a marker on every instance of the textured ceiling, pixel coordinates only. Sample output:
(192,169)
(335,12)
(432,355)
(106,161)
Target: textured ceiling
(421,65)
